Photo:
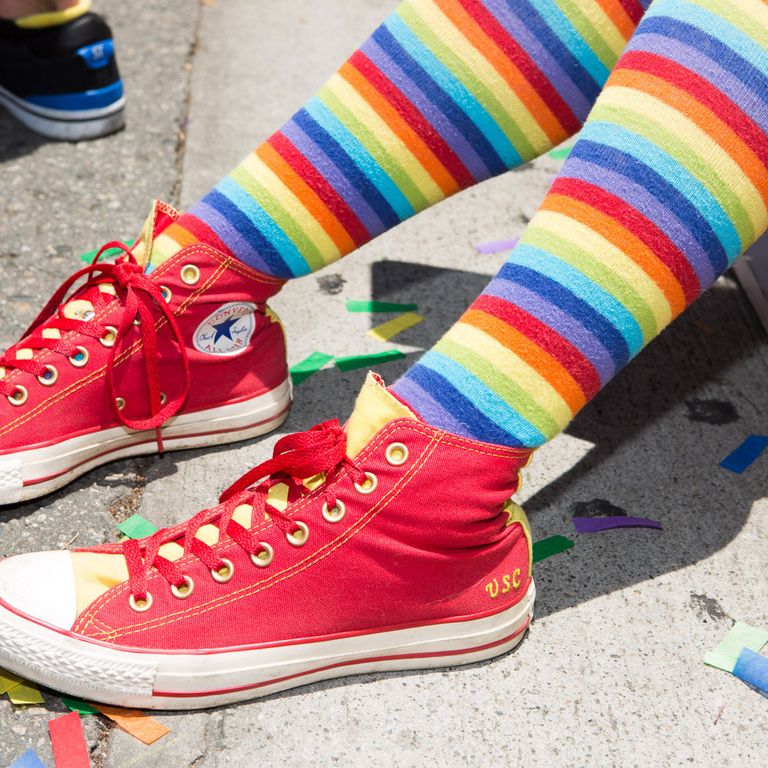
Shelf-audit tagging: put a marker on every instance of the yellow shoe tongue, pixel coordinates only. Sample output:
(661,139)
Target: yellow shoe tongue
(374,409)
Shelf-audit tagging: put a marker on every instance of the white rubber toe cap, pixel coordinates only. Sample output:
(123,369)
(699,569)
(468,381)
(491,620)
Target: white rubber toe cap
(42,585)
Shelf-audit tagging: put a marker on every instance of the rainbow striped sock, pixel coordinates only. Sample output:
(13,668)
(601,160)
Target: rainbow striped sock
(666,186)
(444,94)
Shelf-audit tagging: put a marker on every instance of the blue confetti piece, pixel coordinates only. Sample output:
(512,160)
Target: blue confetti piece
(28,760)
(746,454)
(752,668)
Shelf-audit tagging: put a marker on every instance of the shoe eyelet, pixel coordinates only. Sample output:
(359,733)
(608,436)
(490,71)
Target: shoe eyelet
(298,538)
(396,454)
(19,397)
(79,359)
(225,573)
(185,590)
(163,398)
(167,295)
(369,486)
(335,513)
(264,558)
(50,379)
(120,403)
(140,605)
(136,321)
(190,274)
(109,338)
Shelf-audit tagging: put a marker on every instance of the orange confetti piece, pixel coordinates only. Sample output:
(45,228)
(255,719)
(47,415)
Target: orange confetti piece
(135,722)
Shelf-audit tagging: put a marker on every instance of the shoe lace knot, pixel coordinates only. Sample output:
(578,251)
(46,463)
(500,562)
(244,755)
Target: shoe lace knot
(318,454)
(138,294)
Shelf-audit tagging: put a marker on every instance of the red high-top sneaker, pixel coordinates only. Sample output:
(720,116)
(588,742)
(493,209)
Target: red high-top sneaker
(401,551)
(186,356)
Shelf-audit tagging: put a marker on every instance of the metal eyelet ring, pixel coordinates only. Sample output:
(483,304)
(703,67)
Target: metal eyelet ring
(19,397)
(335,513)
(163,398)
(396,454)
(166,293)
(264,558)
(109,338)
(80,359)
(120,403)
(140,605)
(185,590)
(50,379)
(369,486)
(190,274)
(298,538)
(225,573)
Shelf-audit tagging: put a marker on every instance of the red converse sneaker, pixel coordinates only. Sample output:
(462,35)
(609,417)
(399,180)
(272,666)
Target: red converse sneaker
(402,551)
(186,356)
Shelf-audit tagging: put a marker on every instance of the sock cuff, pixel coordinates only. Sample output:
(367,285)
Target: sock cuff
(53,18)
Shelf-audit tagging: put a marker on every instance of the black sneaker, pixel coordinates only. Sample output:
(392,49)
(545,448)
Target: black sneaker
(62,81)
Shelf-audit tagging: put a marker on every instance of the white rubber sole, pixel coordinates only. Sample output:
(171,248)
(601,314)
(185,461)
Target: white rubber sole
(29,474)
(65,125)
(102,673)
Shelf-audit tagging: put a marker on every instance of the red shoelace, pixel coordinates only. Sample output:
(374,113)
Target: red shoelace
(137,294)
(295,458)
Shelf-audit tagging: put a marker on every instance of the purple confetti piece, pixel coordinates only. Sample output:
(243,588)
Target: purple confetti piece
(596,524)
(494,246)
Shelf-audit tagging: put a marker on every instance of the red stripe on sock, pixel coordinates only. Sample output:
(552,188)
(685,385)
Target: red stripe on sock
(636,223)
(524,63)
(203,233)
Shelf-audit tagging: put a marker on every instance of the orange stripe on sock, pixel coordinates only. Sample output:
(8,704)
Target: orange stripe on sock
(538,108)
(618,15)
(400,128)
(625,241)
(707,120)
(540,360)
(180,235)
(316,208)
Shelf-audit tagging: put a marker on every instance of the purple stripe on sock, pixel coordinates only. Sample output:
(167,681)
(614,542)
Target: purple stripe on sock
(517,29)
(330,171)
(443,126)
(553,317)
(651,207)
(427,407)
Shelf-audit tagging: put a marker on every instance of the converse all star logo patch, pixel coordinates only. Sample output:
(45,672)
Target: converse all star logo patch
(226,331)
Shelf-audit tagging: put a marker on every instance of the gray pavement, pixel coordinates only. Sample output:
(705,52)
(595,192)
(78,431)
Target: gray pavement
(611,673)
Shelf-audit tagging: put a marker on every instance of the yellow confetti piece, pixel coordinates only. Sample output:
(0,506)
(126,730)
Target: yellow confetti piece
(8,681)
(386,331)
(25,693)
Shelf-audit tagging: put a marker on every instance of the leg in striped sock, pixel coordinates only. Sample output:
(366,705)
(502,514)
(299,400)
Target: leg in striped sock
(666,186)
(444,94)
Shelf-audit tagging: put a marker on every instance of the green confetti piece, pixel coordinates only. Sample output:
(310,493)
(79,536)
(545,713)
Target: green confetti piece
(308,366)
(75,705)
(137,527)
(559,153)
(727,651)
(88,257)
(379,306)
(363,361)
(554,545)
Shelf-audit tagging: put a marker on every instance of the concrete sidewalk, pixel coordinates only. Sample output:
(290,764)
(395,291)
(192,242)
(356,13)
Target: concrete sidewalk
(611,673)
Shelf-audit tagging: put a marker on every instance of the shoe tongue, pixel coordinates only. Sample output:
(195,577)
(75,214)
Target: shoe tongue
(161,216)
(374,409)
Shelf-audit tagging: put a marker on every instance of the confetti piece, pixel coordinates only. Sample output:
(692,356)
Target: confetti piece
(363,361)
(560,153)
(137,527)
(90,255)
(378,306)
(752,668)
(138,724)
(386,331)
(554,545)
(8,681)
(25,693)
(28,760)
(68,742)
(80,707)
(494,246)
(746,454)
(308,366)
(595,524)
(727,651)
